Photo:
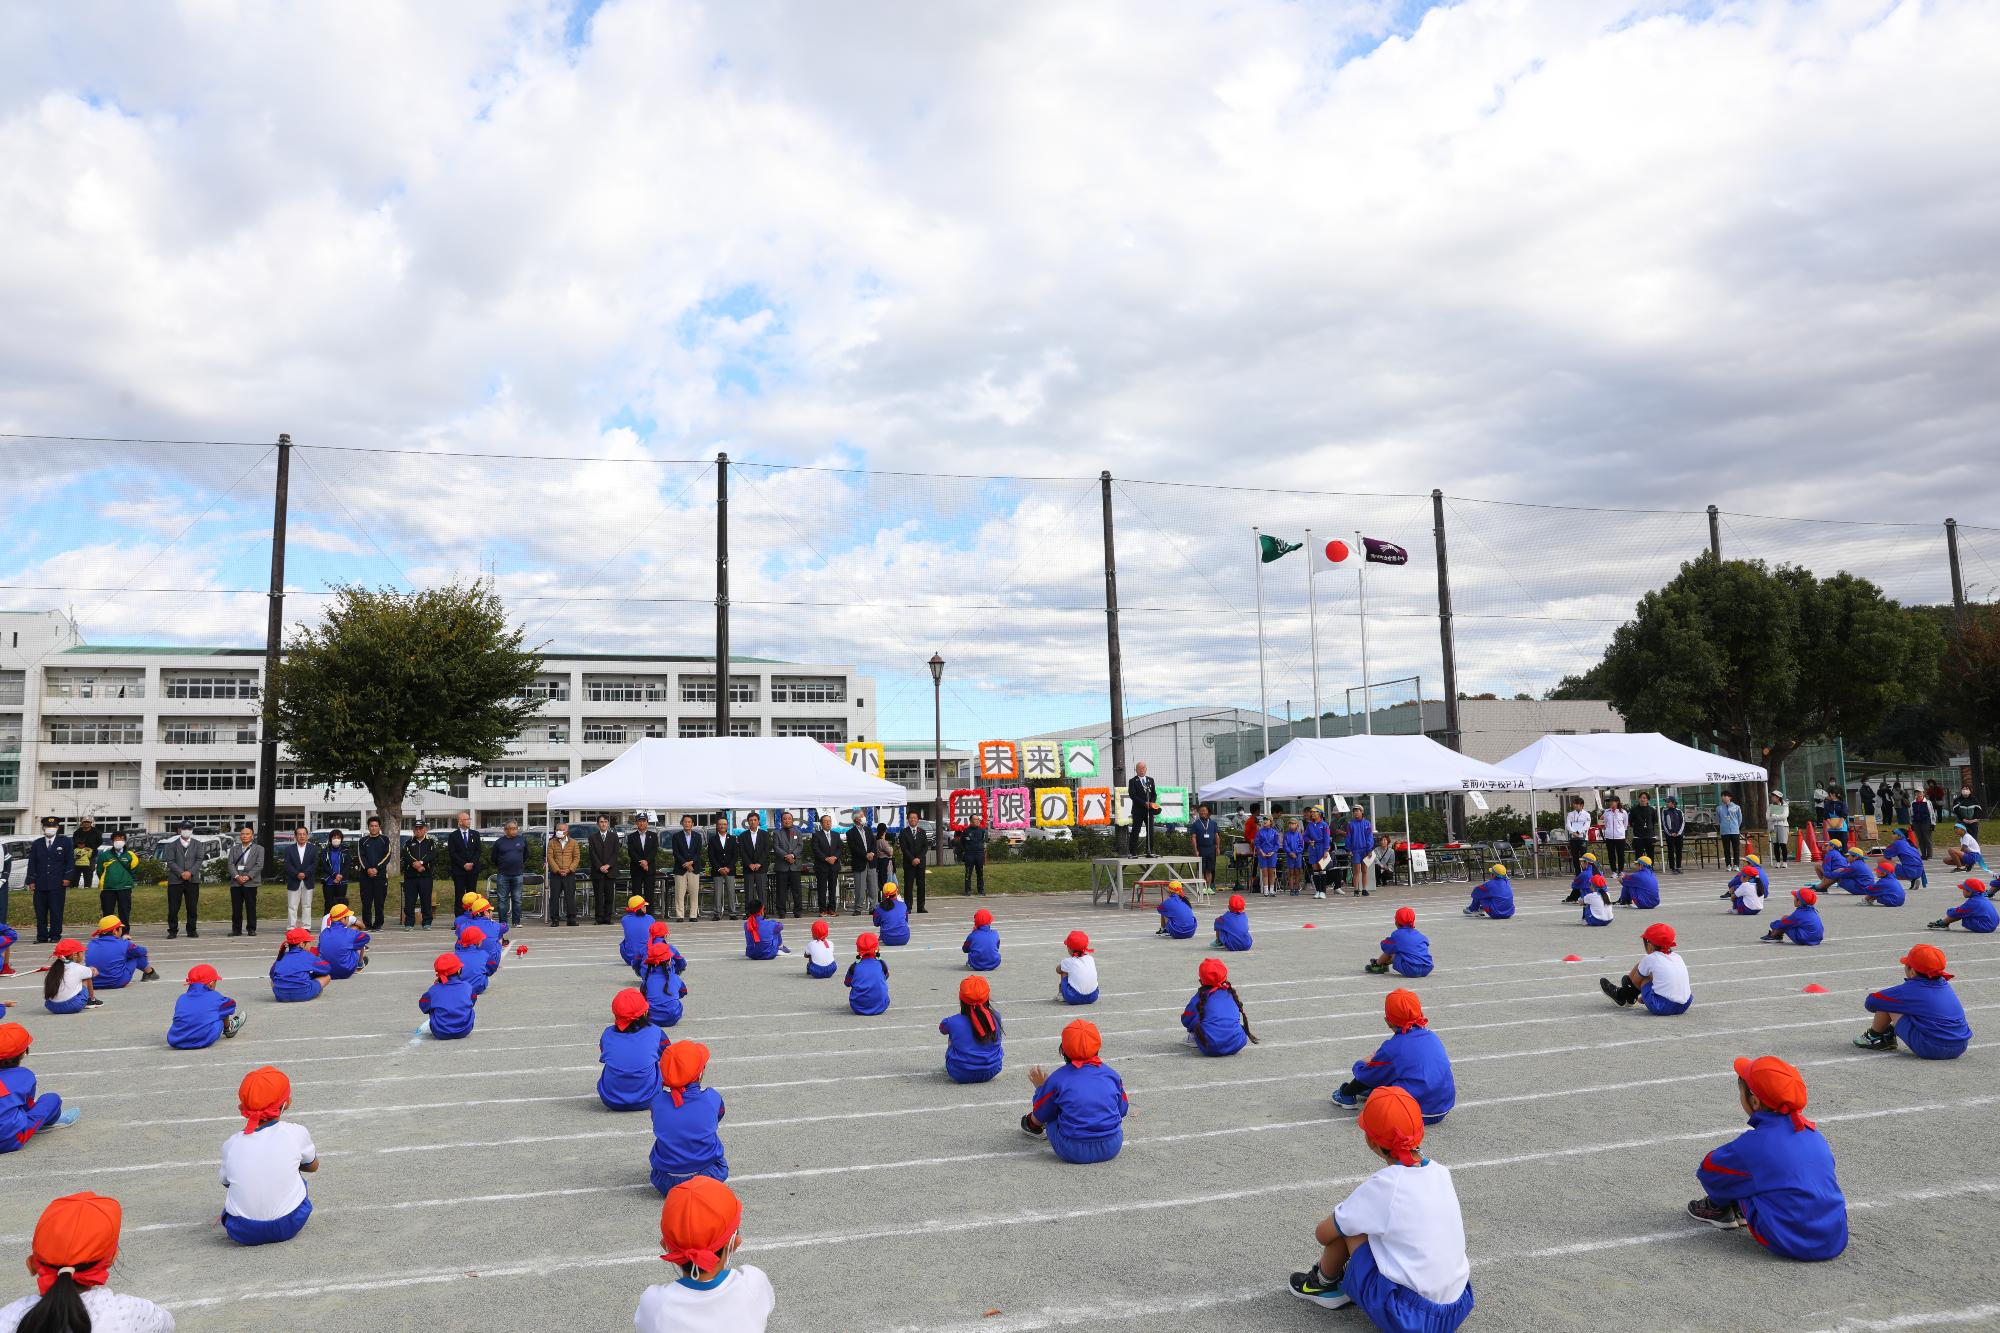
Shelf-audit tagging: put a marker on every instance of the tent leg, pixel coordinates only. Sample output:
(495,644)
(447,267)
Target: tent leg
(1534,840)
(1410,837)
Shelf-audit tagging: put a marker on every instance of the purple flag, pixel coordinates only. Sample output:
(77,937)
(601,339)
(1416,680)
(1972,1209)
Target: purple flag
(1384,553)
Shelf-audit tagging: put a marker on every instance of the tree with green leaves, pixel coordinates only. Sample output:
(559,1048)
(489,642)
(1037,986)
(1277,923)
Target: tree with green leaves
(394,688)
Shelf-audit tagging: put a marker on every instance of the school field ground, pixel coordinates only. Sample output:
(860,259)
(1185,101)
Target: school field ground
(479,1184)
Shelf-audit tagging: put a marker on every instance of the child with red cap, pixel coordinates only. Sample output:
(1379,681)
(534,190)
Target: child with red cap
(1413,1059)
(657,933)
(1977,913)
(973,1033)
(1215,1027)
(202,1015)
(1396,1245)
(66,989)
(982,946)
(637,927)
(1923,1013)
(115,957)
(343,944)
(763,938)
(820,963)
(75,1243)
(1887,890)
(1494,897)
(1748,889)
(1406,950)
(700,1228)
(1660,979)
(867,977)
(23,1114)
(661,986)
(1176,917)
(1076,975)
(449,1002)
(892,917)
(1586,871)
(495,931)
(266,1200)
(475,963)
(630,1050)
(687,1120)
(1232,928)
(1801,925)
(1777,1180)
(298,973)
(1080,1106)
(9,937)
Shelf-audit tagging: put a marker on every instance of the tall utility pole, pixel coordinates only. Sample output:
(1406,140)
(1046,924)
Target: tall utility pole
(1715,534)
(1972,743)
(274,632)
(722,594)
(1451,731)
(1111,637)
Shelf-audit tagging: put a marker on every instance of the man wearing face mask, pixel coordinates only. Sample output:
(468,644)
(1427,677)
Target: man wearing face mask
(246,872)
(336,871)
(117,873)
(182,857)
(51,868)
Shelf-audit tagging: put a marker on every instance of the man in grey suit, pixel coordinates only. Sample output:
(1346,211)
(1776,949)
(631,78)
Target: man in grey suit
(788,851)
(183,858)
(246,872)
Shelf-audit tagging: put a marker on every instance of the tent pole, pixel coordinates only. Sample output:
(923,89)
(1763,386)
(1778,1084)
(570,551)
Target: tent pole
(1534,840)
(1410,838)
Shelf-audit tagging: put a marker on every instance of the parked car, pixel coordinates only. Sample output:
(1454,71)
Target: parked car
(1049,834)
(14,855)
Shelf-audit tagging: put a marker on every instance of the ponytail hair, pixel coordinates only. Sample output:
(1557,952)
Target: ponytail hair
(1201,1008)
(61,1309)
(985,1023)
(53,981)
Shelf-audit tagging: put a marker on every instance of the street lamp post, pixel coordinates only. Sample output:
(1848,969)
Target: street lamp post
(937,756)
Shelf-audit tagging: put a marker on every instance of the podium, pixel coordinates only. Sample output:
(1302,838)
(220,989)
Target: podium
(1121,881)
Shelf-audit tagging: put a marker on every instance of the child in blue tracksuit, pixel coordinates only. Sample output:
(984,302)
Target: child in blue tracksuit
(1232,928)
(1909,861)
(448,1004)
(1076,975)
(867,977)
(1887,890)
(660,983)
(1836,868)
(1216,1022)
(763,939)
(630,1050)
(982,946)
(1176,917)
(1319,842)
(1268,844)
(1294,845)
(658,933)
(1080,1106)
(23,1113)
(972,1053)
(298,973)
(1412,1059)
(9,937)
(344,947)
(1801,925)
(115,957)
(495,931)
(1640,887)
(819,953)
(1977,913)
(202,1016)
(1493,898)
(1777,1181)
(637,927)
(1406,950)
(1923,1013)
(892,917)
(687,1120)
(1748,889)
(1586,873)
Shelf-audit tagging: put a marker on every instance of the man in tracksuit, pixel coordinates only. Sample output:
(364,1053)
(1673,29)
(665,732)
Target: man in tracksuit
(972,854)
(375,851)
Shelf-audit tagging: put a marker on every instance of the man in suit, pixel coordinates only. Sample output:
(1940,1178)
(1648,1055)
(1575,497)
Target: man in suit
(914,845)
(183,857)
(861,860)
(51,870)
(787,860)
(375,850)
(603,851)
(463,844)
(642,855)
(420,858)
(300,862)
(1145,807)
(722,868)
(685,856)
(563,855)
(826,866)
(246,873)
(753,852)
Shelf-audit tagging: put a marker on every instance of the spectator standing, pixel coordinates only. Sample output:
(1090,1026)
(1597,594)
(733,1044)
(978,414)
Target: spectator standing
(1145,798)
(915,845)
(300,862)
(1673,830)
(1836,816)
(753,853)
(1645,825)
(1729,823)
(88,839)
(1617,827)
(119,876)
(685,856)
(603,848)
(510,870)
(642,856)
(1902,811)
(722,868)
(1577,825)
(972,854)
(1867,795)
(826,867)
(1885,799)
(861,860)
(336,870)
(1207,843)
(1779,817)
(183,858)
(885,863)
(246,875)
(788,860)
(1923,819)
(420,857)
(464,845)
(373,862)
(561,860)
(1967,810)
(51,870)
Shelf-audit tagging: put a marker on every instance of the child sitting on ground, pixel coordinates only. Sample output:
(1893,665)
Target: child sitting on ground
(67,987)
(1777,1179)
(9,937)
(982,945)
(763,939)
(116,959)
(687,1120)
(1923,1013)
(867,977)
(1413,1059)
(202,1016)
(1596,902)
(1838,869)
(1080,1106)
(1232,928)
(820,963)
(75,1244)
(1887,890)
(891,917)
(297,973)
(661,986)
(1216,1028)
(448,1004)
(1748,890)
(1076,975)
(1396,1245)
(1493,898)
(1586,871)
(630,1050)
(1176,917)
(636,931)
(474,961)
(1660,981)
(265,1199)
(700,1228)
(1801,925)
(1902,849)
(23,1114)
(342,943)
(495,931)
(1977,913)
(1639,887)
(972,1054)
(1406,950)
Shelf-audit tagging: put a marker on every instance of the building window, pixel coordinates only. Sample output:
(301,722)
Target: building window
(523,775)
(808,690)
(93,732)
(210,733)
(546,690)
(625,691)
(209,687)
(604,733)
(909,772)
(72,779)
(92,685)
(812,728)
(701,689)
(207,779)
(743,726)
(694,728)
(124,777)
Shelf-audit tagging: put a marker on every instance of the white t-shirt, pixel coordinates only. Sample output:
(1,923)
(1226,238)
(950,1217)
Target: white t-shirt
(1669,974)
(1616,822)
(1410,1216)
(1595,903)
(1750,892)
(819,953)
(261,1171)
(73,977)
(1082,973)
(740,1303)
(1968,843)
(109,1313)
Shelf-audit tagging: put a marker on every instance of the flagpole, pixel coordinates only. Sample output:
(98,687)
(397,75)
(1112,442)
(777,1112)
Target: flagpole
(1361,597)
(1312,627)
(1263,700)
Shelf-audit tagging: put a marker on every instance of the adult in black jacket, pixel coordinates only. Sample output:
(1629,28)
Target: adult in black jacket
(972,854)
(753,853)
(1645,824)
(642,854)
(722,869)
(463,845)
(1673,827)
(602,849)
(420,857)
(375,851)
(914,845)
(861,860)
(1145,797)
(826,866)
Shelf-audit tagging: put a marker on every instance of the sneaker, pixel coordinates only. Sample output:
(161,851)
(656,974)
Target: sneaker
(1030,1128)
(150,974)
(1617,993)
(1310,1286)
(1188,1039)
(1876,1041)
(1377,968)
(93,1003)
(67,1117)
(1347,1099)
(232,1025)
(1337,891)
(1723,1216)
(1939,925)
(1319,897)
(1470,911)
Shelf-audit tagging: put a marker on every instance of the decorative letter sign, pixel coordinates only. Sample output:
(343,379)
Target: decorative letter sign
(998,760)
(1093,805)
(1054,807)
(866,756)
(1124,799)
(1039,759)
(1010,807)
(1173,805)
(1079,759)
(966,804)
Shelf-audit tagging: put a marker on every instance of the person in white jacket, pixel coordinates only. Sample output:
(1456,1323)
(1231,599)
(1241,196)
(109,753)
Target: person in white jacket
(1779,817)
(1577,824)
(1617,825)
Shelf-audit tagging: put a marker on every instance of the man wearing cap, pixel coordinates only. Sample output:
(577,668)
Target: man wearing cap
(420,857)
(464,848)
(602,845)
(51,870)
(374,859)
(1923,1013)
(1777,1180)
(118,876)
(183,859)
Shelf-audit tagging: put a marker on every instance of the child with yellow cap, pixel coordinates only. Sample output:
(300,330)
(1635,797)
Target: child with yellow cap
(700,1228)
(75,1244)
(637,928)
(343,943)
(116,958)
(1777,1180)
(1493,897)
(1396,1245)
(24,1114)
(1177,920)
(263,1167)
(892,917)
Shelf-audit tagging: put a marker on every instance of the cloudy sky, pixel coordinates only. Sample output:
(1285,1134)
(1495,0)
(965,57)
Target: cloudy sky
(930,268)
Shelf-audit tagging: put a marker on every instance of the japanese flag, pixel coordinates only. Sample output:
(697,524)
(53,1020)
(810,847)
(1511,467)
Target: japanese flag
(1329,554)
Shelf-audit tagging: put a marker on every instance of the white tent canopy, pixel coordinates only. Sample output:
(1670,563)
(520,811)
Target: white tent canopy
(1624,759)
(726,773)
(1388,765)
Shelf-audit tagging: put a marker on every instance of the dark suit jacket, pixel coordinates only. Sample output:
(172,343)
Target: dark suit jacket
(915,844)
(754,847)
(859,845)
(299,861)
(603,850)
(643,847)
(1145,793)
(464,846)
(825,843)
(51,865)
(721,854)
(687,847)
(972,846)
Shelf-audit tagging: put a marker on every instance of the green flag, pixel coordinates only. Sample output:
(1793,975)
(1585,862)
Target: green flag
(1271,548)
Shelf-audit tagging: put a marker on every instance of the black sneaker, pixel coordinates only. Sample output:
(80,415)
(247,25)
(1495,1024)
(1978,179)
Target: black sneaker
(1939,925)
(1030,1128)
(1310,1286)
(1876,1041)
(150,974)
(93,1003)
(1617,993)
(1723,1216)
